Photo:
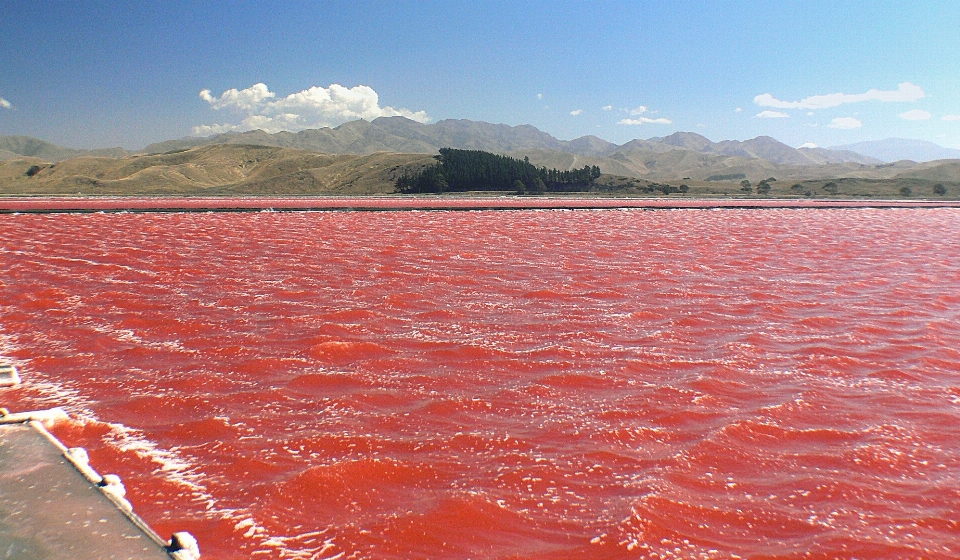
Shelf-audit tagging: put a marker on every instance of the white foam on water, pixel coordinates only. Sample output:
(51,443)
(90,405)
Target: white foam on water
(128,335)
(172,465)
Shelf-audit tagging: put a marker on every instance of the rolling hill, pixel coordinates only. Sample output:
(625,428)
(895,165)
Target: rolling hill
(366,157)
(216,169)
(14,147)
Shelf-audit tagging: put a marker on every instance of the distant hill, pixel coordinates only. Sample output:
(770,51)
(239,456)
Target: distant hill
(399,134)
(217,169)
(896,149)
(943,171)
(682,156)
(13,147)
(241,169)
(637,158)
(391,134)
(840,156)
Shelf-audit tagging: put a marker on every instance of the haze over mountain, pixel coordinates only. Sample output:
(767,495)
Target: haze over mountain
(13,147)
(896,149)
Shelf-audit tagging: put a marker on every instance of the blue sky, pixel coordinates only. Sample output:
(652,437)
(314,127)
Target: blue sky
(90,74)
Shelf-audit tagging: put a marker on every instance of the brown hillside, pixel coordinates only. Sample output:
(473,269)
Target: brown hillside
(215,169)
(940,170)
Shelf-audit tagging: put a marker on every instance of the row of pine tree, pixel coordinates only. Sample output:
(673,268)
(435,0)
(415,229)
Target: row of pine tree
(475,170)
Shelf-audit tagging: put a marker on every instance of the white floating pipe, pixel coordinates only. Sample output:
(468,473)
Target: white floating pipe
(183,547)
(45,417)
(9,377)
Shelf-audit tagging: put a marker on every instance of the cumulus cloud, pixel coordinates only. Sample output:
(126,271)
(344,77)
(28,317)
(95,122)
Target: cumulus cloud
(738,110)
(607,107)
(845,123)
(5,104)
(576,112)
(211,129)
(905,92)
(771,115)
(539,96)
(316,107)
(915,115)
(951,117)
(245,99)
(810,145)
(644,120)
(638,111)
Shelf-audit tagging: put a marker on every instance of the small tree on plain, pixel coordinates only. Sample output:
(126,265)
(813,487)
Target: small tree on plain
(939,189)
(539,187)
(906,191)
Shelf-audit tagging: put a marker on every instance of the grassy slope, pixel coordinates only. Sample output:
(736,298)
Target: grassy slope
(211,170)
(236,169)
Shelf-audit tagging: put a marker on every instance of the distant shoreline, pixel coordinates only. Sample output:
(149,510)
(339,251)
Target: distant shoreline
(146,204)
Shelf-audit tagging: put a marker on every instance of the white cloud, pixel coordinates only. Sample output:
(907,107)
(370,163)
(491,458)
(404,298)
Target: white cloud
(644,120)
(638,111)
(315,107)
(738,110)
(951,117)
(771,115)
(904,92)
(576,112)
(245,99)
(211,129)
(810,113)
(5,104)
(845,123)
(539,96)
(810,145)
(607,107)
(915,115)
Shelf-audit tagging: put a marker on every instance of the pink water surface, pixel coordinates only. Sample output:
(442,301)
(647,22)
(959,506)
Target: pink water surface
(526,384)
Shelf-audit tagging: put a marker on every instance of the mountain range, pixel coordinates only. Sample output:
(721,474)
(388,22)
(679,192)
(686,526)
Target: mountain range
(896,149)
(402,135)
(679,156)
(15,147)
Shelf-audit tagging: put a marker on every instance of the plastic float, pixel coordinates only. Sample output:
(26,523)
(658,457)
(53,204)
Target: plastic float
(9,377)
(53,504)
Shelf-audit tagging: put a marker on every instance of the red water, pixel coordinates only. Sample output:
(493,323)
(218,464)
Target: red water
(526,384)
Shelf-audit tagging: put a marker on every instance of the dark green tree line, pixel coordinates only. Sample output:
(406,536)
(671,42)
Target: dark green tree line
(475,170)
